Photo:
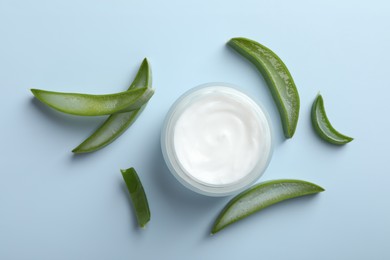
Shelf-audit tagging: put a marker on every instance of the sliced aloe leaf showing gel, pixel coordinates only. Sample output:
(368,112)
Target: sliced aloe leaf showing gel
(137,195)
(94,105)
(117,124)
(278,78)
(323,127)
(261,196)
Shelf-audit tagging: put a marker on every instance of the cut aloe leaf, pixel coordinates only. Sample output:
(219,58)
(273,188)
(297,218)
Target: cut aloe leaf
(94,105)
(261,196)
(138,196)
(278,78)
(117,124)
(323,127)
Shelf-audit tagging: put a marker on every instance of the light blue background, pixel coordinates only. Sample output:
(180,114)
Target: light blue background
(54,205)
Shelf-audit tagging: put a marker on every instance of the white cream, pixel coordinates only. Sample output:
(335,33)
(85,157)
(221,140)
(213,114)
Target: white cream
(221,136)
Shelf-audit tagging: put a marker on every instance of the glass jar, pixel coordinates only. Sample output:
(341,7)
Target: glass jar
(183,174)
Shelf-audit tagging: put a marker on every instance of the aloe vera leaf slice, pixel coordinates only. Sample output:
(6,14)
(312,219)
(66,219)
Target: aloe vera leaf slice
(261,196)
(322,125)
(94,105)
(116,124)
(278,78)
(138,196)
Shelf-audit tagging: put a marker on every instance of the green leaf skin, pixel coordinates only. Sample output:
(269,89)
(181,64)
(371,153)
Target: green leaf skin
(278,78)
(94,105)
(323,127)
(137,195)
(261,196)
(117,124)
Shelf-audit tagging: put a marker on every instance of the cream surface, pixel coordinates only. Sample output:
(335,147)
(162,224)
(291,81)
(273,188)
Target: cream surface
(219,138)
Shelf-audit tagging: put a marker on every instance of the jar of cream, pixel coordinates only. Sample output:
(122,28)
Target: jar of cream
(216,140)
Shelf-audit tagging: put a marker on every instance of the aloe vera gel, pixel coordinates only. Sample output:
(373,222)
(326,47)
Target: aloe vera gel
(216,140)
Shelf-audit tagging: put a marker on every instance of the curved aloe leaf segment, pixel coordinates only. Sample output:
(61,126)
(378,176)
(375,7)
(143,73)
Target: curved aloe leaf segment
(117,124)
(278,78)
(137,195)
(261,196)
(94,105)
(322,125)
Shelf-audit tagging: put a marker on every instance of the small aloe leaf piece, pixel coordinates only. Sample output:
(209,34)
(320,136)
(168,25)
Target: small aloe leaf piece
(323,127)
(137,195)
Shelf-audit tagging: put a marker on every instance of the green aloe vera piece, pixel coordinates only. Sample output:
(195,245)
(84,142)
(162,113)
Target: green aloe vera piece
(261,196)
(117,124)
(137,195)
(94,105)
(323,127)
(278,78)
